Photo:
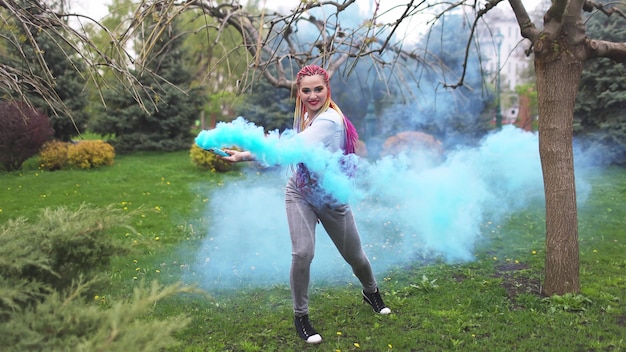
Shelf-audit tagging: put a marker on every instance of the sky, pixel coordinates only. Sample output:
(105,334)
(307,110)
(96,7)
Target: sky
(94,9)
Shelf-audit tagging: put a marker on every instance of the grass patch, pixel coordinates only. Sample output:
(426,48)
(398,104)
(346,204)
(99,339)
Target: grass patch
(489,304)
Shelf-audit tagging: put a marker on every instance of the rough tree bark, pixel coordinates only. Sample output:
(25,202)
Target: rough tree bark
(560,50)
(556,111)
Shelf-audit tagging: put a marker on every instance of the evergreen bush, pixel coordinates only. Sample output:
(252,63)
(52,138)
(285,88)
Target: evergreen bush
(47,305)
(599,117)
(57,248)
(23,131)
(68,322)
(165,124)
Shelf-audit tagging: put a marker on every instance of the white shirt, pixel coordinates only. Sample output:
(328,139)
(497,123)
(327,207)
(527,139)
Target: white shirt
(327,129)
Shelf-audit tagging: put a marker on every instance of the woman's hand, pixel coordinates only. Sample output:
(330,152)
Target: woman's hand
(236,156)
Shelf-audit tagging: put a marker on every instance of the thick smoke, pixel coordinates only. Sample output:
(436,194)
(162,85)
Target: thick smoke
(408,208)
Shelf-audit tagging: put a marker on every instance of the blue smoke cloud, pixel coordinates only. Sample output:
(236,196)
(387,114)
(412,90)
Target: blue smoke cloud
(275,149)
(407,207)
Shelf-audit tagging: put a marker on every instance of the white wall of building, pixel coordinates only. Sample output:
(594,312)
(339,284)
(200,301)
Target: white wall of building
(513,60)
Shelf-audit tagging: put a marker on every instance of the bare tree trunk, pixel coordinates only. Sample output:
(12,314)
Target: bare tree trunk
(557,86)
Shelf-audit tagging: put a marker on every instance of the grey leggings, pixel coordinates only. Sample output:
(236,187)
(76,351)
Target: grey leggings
(339,223)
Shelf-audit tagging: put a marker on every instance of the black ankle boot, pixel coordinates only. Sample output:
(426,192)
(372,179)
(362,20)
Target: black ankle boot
(306,330)
(376,301)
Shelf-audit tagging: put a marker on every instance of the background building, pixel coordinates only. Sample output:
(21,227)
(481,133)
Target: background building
(501,43)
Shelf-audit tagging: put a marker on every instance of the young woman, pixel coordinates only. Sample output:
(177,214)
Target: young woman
(318,120)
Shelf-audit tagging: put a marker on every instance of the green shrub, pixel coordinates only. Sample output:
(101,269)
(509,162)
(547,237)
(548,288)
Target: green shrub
(90,154)
(56,155)
(23,131)
(46,305)
(58,247)
(53,155)
(66,322)
(207,160)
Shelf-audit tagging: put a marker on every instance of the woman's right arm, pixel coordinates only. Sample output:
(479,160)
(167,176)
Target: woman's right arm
(237,156)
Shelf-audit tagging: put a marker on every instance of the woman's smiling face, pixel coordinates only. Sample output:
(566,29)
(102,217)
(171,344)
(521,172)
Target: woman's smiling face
(313,92)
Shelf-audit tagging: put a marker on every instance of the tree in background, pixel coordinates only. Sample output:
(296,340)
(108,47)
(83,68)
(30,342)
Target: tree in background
(66,74)
(356,91)
(69,86)
(103,36)
(28,74)
(175,105)
(267,106)
(216,60)
(600,115)
(455,116)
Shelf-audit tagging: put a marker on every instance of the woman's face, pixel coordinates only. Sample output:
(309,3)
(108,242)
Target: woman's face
(313,93)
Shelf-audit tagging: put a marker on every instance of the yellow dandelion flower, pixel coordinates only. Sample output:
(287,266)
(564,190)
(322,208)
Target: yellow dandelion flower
(338,333)
(534,252)
(356,344)
(595,250)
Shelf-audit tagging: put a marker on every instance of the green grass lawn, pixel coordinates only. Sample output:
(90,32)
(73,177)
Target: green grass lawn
(489,304)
